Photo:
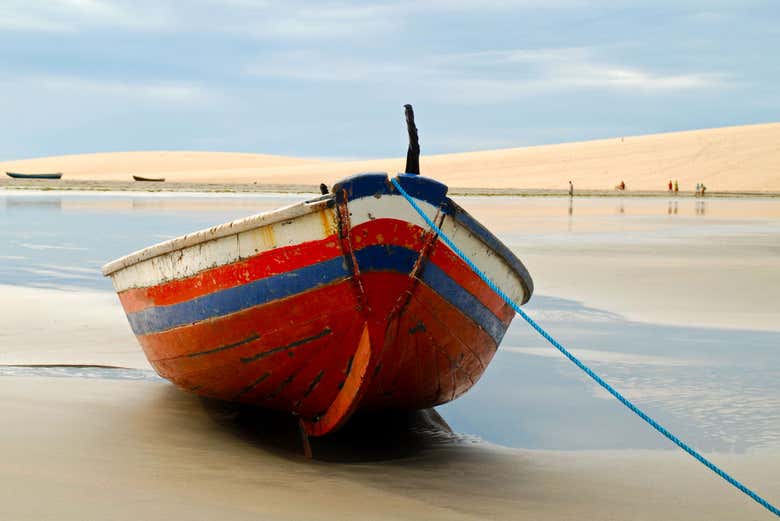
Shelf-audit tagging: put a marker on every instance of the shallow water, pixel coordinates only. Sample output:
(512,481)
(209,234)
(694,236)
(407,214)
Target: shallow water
(675,302)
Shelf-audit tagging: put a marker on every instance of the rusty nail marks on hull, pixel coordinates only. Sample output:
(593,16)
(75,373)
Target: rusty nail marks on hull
(314,383)
(417,328)
(293,345)
(250,338)
(253,384)
(281,387)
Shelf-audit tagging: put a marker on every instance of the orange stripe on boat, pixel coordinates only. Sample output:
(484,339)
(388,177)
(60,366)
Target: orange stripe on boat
(282,260)
(266,264)
(208,335)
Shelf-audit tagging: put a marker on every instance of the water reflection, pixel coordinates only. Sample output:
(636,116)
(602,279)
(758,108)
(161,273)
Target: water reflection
(691,379)
(701,207)
(89,371)
(32,203)
(61,241)
(672,208)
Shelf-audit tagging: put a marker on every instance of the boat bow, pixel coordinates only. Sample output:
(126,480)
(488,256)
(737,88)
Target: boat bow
(344,302)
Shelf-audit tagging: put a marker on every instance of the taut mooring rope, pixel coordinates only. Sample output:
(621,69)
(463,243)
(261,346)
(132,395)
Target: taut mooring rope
(576,361)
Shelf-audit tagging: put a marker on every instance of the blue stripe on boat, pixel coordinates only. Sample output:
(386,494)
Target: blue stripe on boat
(397,258)
(372,258)
(434,193)
(231,300)
(438,280)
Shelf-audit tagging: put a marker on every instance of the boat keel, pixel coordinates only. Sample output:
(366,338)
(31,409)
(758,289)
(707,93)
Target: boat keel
(349,396)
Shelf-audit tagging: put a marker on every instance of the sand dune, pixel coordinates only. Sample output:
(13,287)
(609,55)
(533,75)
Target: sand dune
(218,167)
(730,159)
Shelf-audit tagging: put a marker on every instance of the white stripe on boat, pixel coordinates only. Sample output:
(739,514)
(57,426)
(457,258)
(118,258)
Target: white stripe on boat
(300,223)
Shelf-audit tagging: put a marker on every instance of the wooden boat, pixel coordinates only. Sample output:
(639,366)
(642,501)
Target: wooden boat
(16,175)
(149,179)
(347,301)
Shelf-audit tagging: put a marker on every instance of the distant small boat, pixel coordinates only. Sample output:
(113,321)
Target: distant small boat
(33,176)
(149,179)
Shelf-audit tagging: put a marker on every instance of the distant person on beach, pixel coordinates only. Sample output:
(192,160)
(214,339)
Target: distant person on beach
(622,185)
(703,188)
(676,186)
(698,189)
(670,185)
(571,189)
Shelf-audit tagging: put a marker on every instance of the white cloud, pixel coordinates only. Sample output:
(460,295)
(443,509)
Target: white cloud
(574,67)
(488,76)
(156,91)
(307,65)
(291,19)
(602,75)
(26,22)
(73,15)
(294,20)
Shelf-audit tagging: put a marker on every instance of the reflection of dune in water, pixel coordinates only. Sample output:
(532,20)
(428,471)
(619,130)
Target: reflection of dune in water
(36,203)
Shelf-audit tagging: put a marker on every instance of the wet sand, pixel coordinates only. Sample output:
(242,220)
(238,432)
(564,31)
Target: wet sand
(45,326)
(106,449)
(97,443)
(707,262)
(191,188)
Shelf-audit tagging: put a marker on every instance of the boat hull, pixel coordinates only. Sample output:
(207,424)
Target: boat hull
(33,176)
(319,309)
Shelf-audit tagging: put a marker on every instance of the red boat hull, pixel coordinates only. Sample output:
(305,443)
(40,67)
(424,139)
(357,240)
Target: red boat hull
(378,314)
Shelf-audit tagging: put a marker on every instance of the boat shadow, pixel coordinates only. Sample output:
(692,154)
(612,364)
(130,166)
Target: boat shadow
(367,437)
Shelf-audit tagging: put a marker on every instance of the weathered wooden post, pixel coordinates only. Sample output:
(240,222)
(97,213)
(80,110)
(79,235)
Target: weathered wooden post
(413,154)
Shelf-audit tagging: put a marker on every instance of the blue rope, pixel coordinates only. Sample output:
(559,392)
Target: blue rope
(622,399)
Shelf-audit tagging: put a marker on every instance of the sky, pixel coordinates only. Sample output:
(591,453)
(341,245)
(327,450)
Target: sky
(328,79)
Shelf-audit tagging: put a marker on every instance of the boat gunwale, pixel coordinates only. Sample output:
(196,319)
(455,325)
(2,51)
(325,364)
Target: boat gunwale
(494,244)
(244,224)
(299,209)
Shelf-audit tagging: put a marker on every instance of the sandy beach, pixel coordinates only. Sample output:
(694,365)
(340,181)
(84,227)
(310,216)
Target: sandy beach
(101,449)
(742,159)
(533,440)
